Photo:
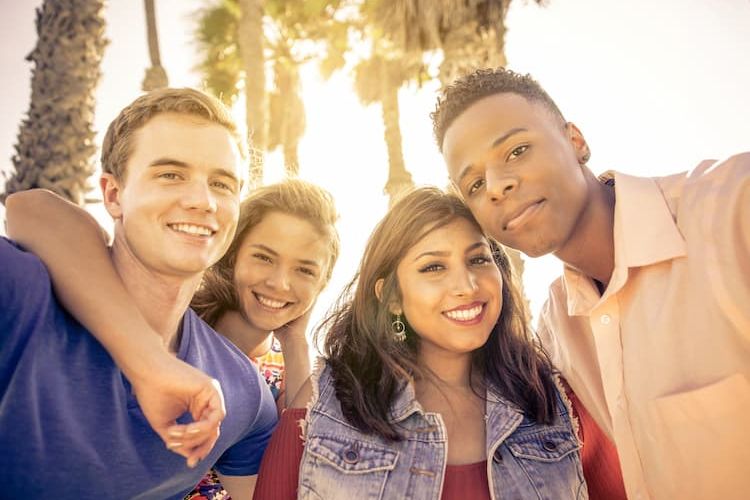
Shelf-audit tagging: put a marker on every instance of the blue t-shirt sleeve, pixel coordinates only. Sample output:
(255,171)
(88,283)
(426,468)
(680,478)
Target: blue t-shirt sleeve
(25,291)
(244,457)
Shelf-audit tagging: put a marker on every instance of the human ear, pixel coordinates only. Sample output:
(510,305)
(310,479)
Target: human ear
(111,194)
(581,147)
(393,307)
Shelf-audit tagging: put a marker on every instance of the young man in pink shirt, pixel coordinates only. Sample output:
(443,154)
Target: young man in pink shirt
(650,321)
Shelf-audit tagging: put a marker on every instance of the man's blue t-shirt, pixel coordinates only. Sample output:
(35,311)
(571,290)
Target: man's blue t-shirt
(70,426)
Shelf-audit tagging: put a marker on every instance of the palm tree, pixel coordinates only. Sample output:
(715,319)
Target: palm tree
(156,76)
(241,39)
(56,139)
(378,80)
(250,41)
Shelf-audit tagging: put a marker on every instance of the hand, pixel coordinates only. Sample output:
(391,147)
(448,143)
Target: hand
(295,330)
(167,391)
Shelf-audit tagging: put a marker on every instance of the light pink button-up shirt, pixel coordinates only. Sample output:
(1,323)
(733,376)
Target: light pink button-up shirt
(662,358)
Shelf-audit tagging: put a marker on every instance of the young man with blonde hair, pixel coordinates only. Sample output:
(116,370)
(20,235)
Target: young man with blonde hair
(650,322)
(73,424)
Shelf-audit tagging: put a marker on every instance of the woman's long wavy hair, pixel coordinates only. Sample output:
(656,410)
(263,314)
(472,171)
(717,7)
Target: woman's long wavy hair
(217,293)
(370,366)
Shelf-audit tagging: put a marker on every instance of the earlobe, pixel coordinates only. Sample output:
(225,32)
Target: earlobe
(111,195)
(583,153)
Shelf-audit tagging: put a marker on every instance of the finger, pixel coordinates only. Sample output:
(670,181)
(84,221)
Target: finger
(200,452)
(208,404)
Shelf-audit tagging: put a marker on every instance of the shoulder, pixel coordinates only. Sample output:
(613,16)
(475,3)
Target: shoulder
(24,277)
(719,180)
(17,262)
(715,202)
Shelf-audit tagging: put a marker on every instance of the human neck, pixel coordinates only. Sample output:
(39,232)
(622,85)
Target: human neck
(591,248)
(445,370)
(161,299)
(252,341)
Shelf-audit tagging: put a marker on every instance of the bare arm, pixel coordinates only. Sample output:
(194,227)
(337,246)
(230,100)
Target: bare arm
(238,487)
(296,352)
(73,247)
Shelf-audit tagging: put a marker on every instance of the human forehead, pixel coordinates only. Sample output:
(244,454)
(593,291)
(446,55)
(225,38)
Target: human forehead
(190,139)
(486,122)
(456,237)
(288,235)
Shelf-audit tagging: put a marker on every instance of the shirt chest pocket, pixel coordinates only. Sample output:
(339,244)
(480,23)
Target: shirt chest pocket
(547,461)
(345,468)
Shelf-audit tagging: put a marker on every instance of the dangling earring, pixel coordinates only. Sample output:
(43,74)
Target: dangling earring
(585,158)
(399,328)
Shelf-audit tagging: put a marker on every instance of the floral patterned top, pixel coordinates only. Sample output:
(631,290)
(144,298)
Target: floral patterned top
(271,367)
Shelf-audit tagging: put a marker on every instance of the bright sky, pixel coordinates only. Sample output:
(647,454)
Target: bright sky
(656,86)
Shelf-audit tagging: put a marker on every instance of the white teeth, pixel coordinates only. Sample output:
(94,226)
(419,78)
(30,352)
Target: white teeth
(191,229)
(464,314)
(274,304)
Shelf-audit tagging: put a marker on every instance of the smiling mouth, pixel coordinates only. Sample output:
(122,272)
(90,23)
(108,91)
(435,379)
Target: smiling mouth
(192,229)
(522,217)
(465,315)
(269,303)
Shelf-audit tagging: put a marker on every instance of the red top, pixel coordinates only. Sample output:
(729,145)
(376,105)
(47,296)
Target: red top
(279,471)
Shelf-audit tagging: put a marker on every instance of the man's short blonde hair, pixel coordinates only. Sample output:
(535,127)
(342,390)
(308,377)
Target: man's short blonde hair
(118,142)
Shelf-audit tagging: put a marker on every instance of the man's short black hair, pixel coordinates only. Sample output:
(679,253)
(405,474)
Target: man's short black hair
(467,90)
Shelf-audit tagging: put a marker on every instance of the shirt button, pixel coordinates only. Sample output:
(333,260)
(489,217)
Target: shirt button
(605,319)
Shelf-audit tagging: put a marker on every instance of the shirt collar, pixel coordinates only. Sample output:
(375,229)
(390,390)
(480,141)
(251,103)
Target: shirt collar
(645,233)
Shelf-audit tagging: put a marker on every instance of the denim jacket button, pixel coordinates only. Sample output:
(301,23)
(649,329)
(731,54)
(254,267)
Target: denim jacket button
(550,445)
(351,456)
(497,457)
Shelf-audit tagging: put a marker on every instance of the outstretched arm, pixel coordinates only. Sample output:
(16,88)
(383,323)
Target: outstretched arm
(74,248)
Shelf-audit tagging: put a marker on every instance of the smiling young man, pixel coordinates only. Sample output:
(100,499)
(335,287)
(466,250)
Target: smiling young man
(650,322)
(71,425)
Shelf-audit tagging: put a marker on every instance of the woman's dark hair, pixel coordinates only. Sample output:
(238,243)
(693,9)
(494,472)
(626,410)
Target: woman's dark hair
(369,365)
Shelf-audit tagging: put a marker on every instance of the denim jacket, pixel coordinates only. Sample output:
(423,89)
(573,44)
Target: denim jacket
(526,460)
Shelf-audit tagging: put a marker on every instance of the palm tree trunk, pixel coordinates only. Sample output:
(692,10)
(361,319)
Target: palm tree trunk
(250,35)
(399,179)
(156,76)
(55,145)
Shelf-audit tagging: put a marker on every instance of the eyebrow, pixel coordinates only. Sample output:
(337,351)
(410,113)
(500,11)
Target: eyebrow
(443,253)
(160,162)
(274,253)
(494,144)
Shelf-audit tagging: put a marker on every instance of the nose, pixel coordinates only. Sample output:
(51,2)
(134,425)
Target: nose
(198,196)
(499,184)
(465,284)
(278,279)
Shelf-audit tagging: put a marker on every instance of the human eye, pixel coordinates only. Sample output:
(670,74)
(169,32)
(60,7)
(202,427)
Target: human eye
(518,151)
(480,260)
(225,186)
(170,176)
(308,271)
(431,268)
(475,186)
(262,257)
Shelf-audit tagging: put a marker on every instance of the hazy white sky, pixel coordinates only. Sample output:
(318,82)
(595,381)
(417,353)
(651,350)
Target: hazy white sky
(655,86)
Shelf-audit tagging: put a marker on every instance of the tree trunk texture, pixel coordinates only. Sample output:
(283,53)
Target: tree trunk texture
(55,144)
(399,179)
(251,46)
(156,76)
